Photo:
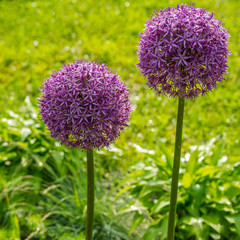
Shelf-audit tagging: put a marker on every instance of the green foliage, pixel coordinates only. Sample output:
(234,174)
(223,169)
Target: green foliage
(209,194)
(45,194)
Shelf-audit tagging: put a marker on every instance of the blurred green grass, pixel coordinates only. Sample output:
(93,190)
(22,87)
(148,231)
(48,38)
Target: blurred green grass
(37,37)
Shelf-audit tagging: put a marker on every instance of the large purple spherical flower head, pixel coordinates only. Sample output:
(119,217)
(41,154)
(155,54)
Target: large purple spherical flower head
(183,51)
(84,105)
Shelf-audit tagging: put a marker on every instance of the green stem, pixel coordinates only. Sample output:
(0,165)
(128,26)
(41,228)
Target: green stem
(90,194)
(175,172)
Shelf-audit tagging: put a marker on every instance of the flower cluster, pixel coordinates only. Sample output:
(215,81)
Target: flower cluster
(85,105)
(183,51)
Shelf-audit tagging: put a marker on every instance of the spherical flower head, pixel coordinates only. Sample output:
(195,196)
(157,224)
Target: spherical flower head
(183,52)
(84,105)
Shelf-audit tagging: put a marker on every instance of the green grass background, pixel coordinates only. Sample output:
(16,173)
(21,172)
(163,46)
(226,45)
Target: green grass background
(37,37)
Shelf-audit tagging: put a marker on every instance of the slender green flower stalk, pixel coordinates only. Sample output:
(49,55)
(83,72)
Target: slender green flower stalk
(90,194)
(175,172)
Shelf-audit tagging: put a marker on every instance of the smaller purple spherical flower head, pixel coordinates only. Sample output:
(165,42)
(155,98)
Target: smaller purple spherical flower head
(84,105)
(183,52)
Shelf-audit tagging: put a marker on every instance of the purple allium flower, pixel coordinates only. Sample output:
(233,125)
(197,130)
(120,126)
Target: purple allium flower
(183,51)
(85,105)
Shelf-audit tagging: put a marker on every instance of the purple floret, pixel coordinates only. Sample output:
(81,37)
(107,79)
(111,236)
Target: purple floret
(183,52)
(84,105)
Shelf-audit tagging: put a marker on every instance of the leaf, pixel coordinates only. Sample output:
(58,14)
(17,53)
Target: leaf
(133,207)
(152,233)
(236,220)
(159,206)
(164,226)
(232,191)
(123,190)
(207,171)
(198,193)
(136,221)
(186,180)
(192,162)
(152,188)
(194,226)
(193,210)
(212,220)
(217,153)
(168,156)
(162,167)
